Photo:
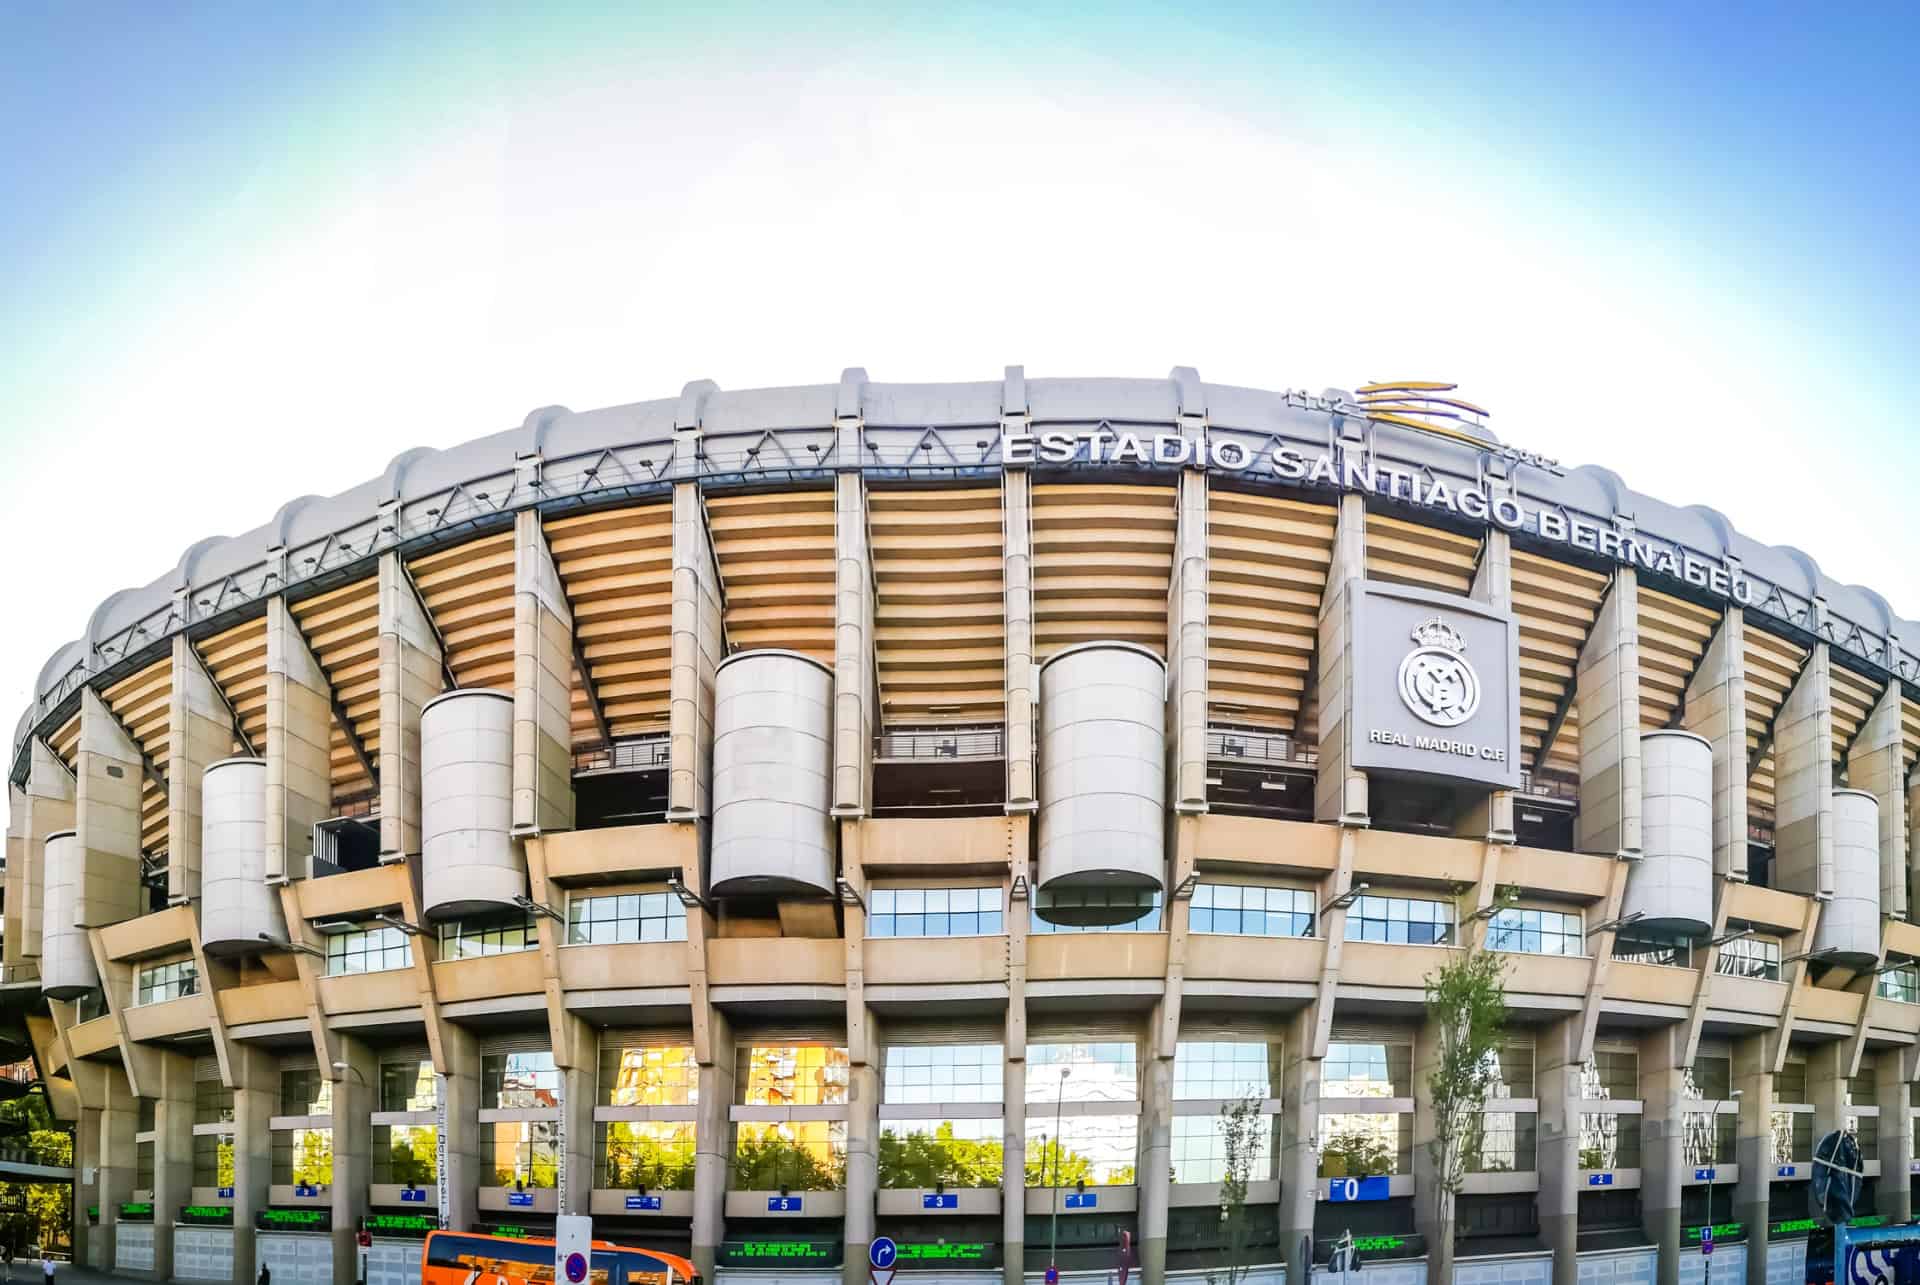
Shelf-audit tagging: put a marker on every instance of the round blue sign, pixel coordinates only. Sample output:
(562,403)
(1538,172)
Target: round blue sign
(576,1267)
(1053,1276)
(882,1252)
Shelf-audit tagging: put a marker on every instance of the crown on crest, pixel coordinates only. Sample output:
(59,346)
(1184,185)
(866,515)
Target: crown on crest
(1438,633)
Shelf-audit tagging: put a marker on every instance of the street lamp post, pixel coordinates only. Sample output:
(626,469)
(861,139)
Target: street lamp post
(1713,1159)
(1053,1232)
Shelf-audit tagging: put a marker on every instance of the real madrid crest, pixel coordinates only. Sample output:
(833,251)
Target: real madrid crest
(1436,682)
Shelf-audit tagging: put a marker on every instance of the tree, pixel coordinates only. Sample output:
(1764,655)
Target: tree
(935,1159)
(1243,1130)
(1048,1166)
(1467,1004)
(767,1161)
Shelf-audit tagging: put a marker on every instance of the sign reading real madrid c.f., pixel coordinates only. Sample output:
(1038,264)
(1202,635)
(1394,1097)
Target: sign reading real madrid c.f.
(1435,687)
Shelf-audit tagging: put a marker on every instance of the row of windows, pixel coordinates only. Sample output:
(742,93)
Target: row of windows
(157,983)
(645,916)
(370,950)
(935,912)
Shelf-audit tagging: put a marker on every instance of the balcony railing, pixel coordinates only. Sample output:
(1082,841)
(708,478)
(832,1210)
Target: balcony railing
(630,754)
(942,743)
(1547,787)
(1252,747)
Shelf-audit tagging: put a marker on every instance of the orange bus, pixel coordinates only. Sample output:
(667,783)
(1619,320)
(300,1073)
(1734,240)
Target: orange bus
(472,1258)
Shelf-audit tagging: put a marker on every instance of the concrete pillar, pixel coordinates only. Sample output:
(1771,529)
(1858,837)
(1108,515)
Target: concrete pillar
(1876,763)
(698,645)
(713,1145)
(299,737)
(172,1153)
(863,1168)
(1663,1077)
(89,1245)
(1299,1139)
(1429,1219)
(256,1099)
(1013,1095)
(1016,578)
(411,674)
(107,816)
(355,1096)
(1155,1172)
(1896,1139)
(1716,708)
(577,1099)
(855,684)
(1753,1150)
(1803,782)
(1607,698)
(15,895)
(1557,1074)
(1491,818)
(119,1119)
(198,733)
(1827,1086)
(542,685)
(51,797)
(1340,790)
(459,1086)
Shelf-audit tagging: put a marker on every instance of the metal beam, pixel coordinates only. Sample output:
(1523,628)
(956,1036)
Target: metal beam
(593,696)
(233,715)
(1554,725)
(426,613)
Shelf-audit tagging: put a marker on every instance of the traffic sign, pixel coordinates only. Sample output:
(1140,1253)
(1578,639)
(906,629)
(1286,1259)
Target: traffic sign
(882,1251)
(576,1267)
(1053,1275)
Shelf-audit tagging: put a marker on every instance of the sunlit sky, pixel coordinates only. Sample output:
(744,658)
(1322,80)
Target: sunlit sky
(253,251)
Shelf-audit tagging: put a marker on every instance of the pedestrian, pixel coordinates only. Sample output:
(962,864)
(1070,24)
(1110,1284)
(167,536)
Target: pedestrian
(266,1275)
(46,1267)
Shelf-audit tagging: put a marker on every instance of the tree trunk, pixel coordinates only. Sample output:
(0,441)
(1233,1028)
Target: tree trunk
(1440,1246)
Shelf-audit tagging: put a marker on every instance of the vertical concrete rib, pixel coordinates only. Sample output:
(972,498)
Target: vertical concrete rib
(1013,1172)
(15,893)
(411,674)
(107,817)
(1716,708)
(863,1064)
(1016,518)
(460,1086)
(855,689)
(1663,1074)
(1491,818)
(1299,1143)
(698,646)
(1340,789)
(199,732)
(713,1138)
(354,1100)
(1803,782)
(1896,1138)
(542,685)
(172,1092)
(256,1083)
(299,734)
(1876,764)
(1607,696)
(1156,1144)
(1187,643)
(1753,1148)
(52,796)
(1557,1076)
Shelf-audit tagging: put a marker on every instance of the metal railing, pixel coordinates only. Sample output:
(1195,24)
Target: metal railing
(1246,746)
(942,743)
(629,754)
(18,974)
(30,1156)
(1548,788)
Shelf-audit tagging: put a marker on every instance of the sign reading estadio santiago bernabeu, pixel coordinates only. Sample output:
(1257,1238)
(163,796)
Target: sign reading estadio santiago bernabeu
(1433,685)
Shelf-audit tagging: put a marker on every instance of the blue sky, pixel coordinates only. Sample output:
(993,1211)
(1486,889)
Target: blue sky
(1674,241)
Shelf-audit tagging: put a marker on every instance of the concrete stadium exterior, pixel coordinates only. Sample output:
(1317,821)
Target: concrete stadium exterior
(769,820)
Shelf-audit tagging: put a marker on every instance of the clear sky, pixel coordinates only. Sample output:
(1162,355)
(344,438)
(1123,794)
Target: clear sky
(253,251)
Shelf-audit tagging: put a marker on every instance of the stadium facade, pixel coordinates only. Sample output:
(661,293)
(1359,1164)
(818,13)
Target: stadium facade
(768,820)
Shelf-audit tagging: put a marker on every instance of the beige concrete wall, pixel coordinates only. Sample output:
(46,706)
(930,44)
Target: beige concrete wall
(542,685)
(411,674)
(1607,699)
(299,734)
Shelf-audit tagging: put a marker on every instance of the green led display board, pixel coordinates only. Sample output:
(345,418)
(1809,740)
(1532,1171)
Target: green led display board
(294,1220)
(779,1253)
(207,1215)
(136,1211)
(510,1231)
(1721,1231)
(952,1253)
(1791,1227)
(1378,1244)
(400,1224)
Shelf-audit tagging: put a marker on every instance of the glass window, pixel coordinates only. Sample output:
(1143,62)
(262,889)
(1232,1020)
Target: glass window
(1862,1091)
(918,1073)
(1406,920)
(213,1160)
(1362,1146)
(1094,1073)
(925,1153)
(143,1117)
(1537,932)
(1098,1150)
(1092,910)
(1902,984)
(1709,1079)
(1750,957)
(157,983)
(1866,1129)
(369,950)
(523,1153)
(496,934)
(1500,1142)
(1791,1084)
(653,1075)
(1611,1076)
(519,1080)
(1708,1138)
(212,1103)
(1366,1069)
(303,1156)
(656,1154)
(782,1075)
(1224,1069)
(408,1086)
(799,1155)
(1653,948)
(935,912)
(1792,1137)
(404,1153)
(143,1166)
(1200,1148)
(1250,911)
(305,1093)
(1609,1141)
(626,916)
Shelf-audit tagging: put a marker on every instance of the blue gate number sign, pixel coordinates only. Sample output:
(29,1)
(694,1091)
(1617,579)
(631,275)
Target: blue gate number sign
(413,1195)
(1378,1187)
(783,1204)
(576,1267)
(643,1202)
(882,1251)
(936,1200)
(1083,1200)
(520,1199)
(1703,1175)
(1784,1171)
(1599,1180)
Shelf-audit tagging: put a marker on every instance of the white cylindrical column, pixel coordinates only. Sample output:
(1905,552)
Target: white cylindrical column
(468,860)
(66,960)
(1671,886)
(236,903)
(772,774)
(1850,924)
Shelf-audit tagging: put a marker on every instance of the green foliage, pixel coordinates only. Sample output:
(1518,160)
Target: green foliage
(1240,1129)
(1467,1011)
(939,1158)
(313,1161)
(768,1162)
(638,1160)
(35,1212)
(1047,1167)
(1356,1153)
(412,1154)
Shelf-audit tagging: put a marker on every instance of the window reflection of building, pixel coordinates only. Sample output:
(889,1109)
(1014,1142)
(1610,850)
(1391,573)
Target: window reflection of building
(659,1075)
(1609,1140)
(1362,1146)
(1209,1074)
(794,1075)
(1367,1069)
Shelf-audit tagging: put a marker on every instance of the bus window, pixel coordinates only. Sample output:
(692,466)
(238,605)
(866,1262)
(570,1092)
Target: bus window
(489,1260)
